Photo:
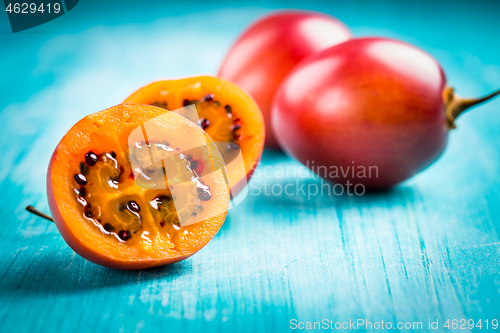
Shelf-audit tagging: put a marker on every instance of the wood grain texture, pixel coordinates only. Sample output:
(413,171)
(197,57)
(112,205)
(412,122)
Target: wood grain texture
(427,250)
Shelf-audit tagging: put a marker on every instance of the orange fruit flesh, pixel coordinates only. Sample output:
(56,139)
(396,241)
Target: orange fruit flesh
(135,186)
(226,113)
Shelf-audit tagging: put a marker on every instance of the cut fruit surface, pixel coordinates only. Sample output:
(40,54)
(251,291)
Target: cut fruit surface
(226,113)
(135,186)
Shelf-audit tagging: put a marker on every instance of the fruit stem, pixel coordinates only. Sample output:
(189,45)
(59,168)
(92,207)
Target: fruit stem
(33,210)
(456,105)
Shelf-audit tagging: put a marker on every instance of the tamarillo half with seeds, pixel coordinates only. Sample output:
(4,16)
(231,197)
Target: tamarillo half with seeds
(137,186)
(228,114)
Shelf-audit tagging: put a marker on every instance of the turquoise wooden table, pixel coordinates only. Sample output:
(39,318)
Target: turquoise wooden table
(427,250)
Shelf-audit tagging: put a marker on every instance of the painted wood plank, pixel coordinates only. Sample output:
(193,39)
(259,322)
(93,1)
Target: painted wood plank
(427,250)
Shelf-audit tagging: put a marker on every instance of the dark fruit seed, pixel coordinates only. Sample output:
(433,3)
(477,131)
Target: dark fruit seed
(80,179)
(133,206)
(116,179)
(83,168)
(131,175)
(205,123)
(204,195)
(235,127)
(194,164)
(124,234)
(186,102)
(109,228)
(162,224)
(162,105)
(91,158)
(88,213)
(164,198)
(82,192)
(113,154)
(208,97)
(228,108)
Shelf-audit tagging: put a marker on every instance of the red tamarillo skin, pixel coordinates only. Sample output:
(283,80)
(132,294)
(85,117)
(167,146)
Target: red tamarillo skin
(271,47)
(369,102)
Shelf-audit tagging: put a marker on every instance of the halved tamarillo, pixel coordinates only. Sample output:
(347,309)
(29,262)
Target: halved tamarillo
(226,113)
(135,186)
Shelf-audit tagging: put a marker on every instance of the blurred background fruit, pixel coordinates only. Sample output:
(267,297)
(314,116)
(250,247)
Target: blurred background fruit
(271,47)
